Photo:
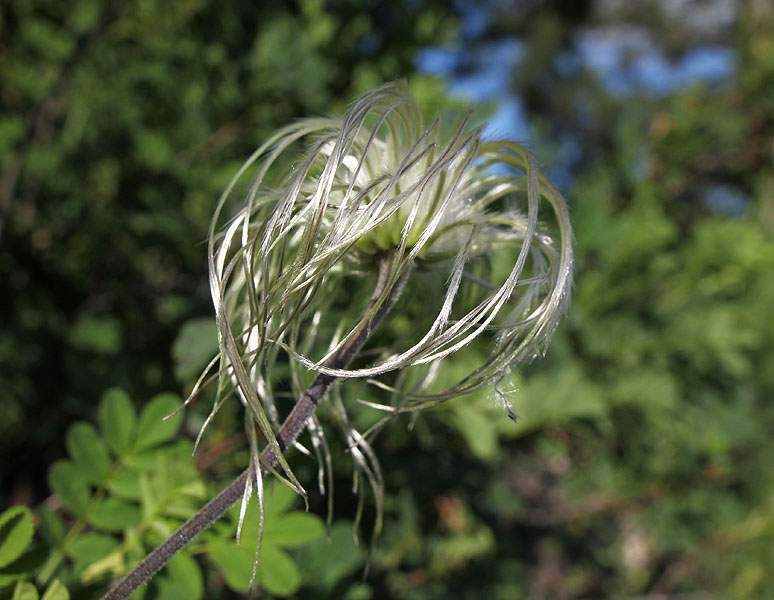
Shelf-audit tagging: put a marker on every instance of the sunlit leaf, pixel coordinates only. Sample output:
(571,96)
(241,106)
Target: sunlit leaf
(279,498)
(152,429)
(24,591)
(117,420)
(294,529)
(16,531)
(56,591)
(478,428)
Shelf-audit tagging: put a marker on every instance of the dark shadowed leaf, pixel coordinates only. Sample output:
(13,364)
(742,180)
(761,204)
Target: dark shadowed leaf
(89,452)
(71,485)
(194,347)
(51,526)
(100,335)
(115,515)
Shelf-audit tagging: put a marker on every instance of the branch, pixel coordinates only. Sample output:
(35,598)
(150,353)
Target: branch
(290,430)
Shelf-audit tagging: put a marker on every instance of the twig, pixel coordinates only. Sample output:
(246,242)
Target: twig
(290,430)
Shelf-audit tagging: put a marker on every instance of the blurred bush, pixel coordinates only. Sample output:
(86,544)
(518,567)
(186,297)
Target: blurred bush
(640,464)
(120,123)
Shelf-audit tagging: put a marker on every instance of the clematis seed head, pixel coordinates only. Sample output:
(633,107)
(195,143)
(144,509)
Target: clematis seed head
(481,236)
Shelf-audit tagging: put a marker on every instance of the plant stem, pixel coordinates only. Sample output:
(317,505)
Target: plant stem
(290,430)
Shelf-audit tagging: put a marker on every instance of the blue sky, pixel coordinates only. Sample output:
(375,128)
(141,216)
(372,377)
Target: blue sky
(624,59)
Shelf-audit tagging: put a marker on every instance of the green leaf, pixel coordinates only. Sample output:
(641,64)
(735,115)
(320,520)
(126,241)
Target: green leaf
(316,562)
(16,531)
(153,429)
(11,129)
(169,589)
(30,562)
(126,484)
(184,581)
(295,529)
(153,148)
(24,591)
(51,526)
(117,420)
(171,486)
(359,591)
(100,335)
(83,16)
(559,397)
(46,161)
(234,562)
(56,591)
(279,498)
(277,572)
(147,497)
(115,515)
(478,429)
(89,452)
(194,347)
(90,548)
(55,43)
(71,485)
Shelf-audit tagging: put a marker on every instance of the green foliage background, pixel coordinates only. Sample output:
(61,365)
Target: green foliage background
(641,460)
